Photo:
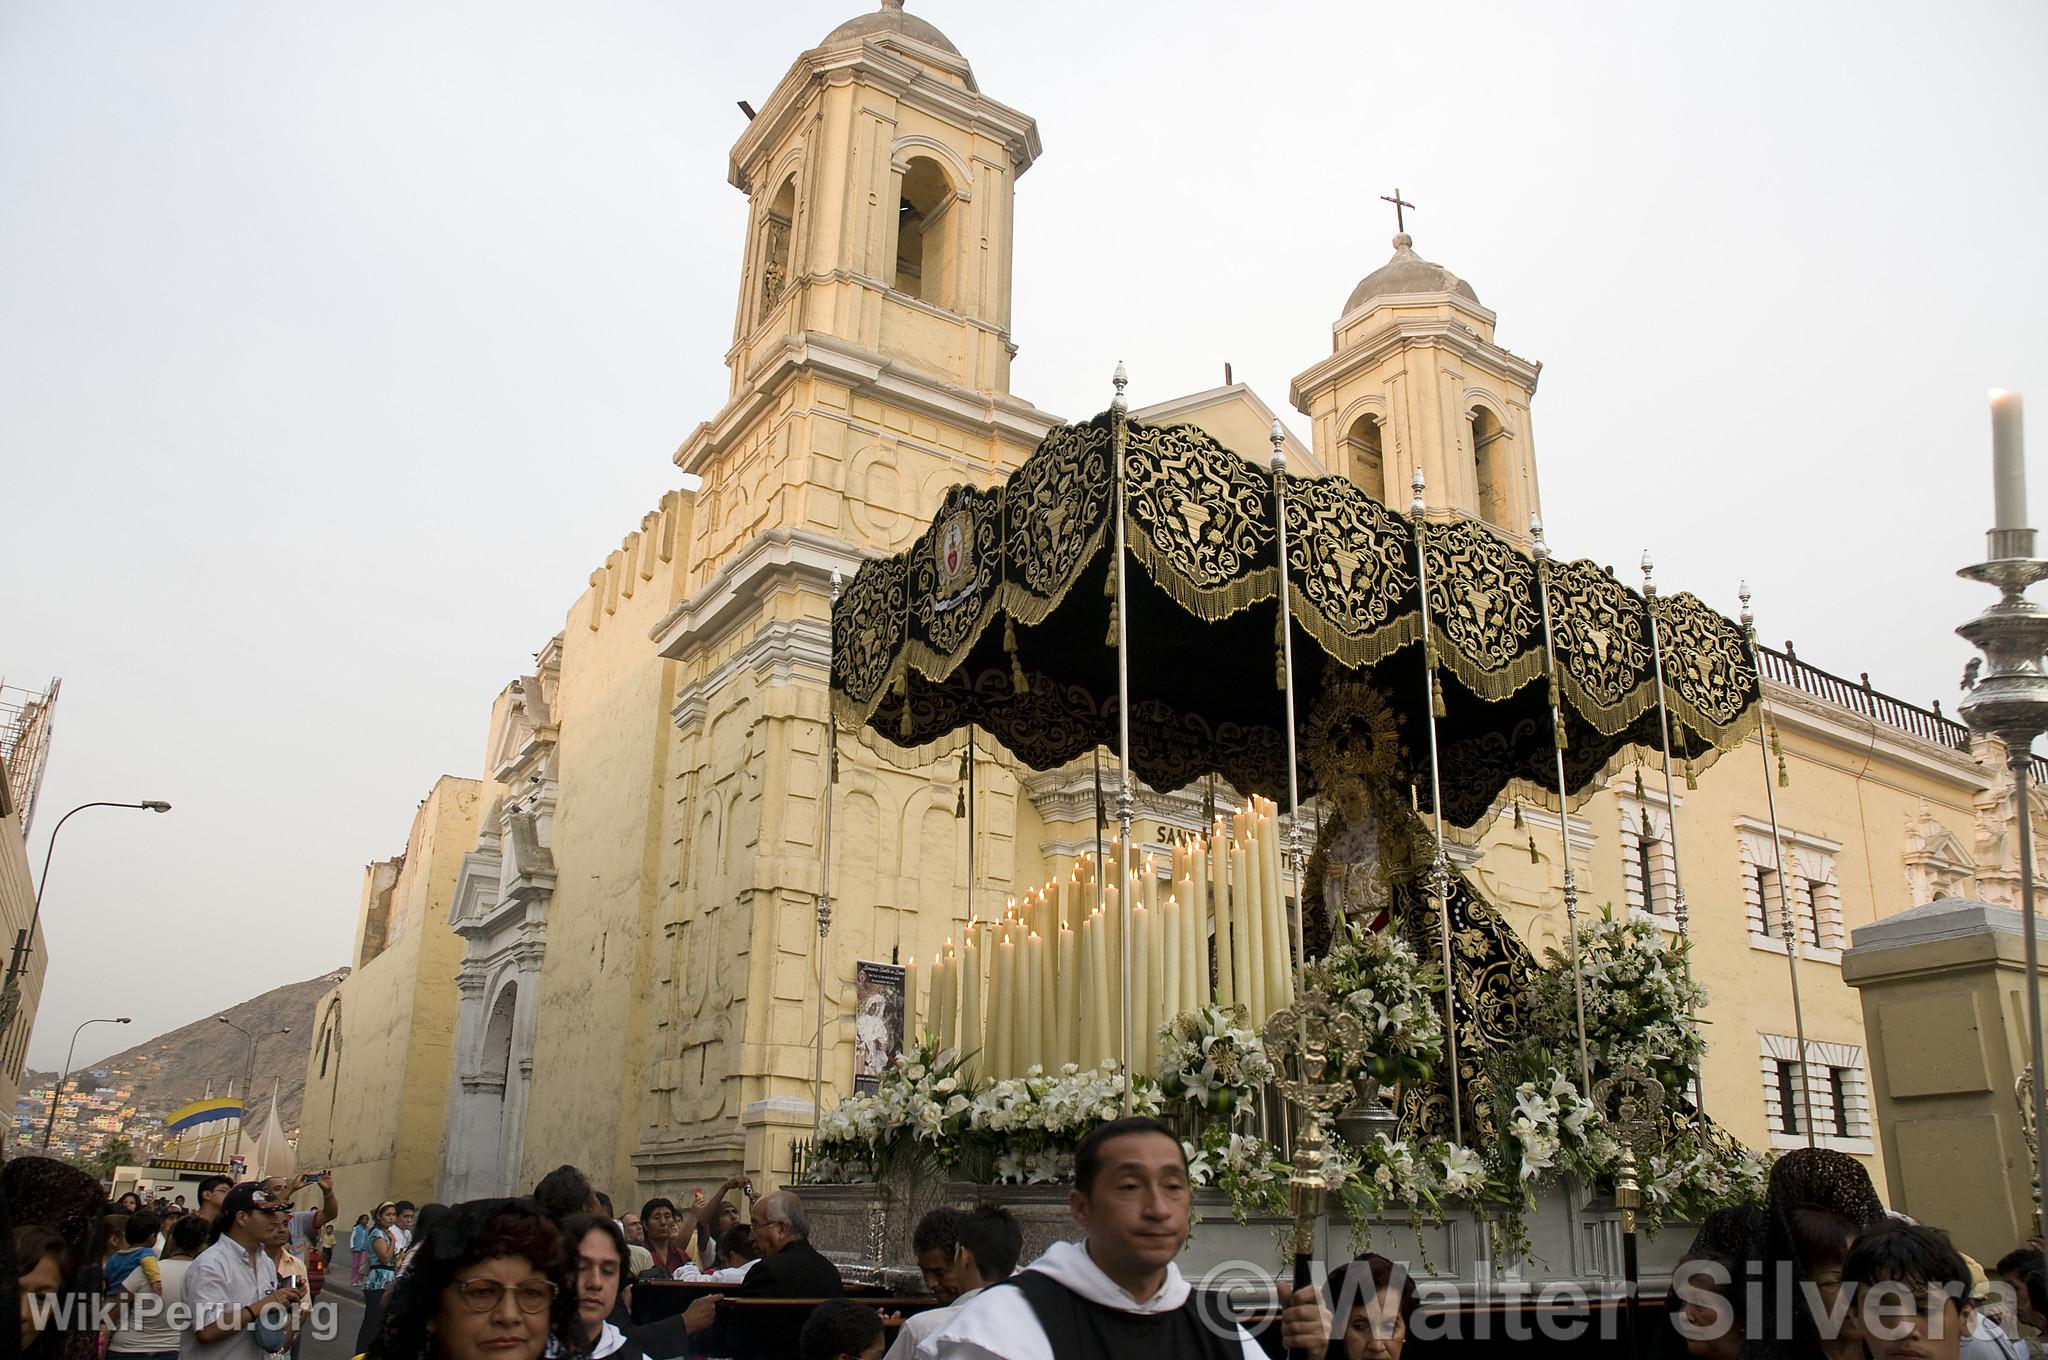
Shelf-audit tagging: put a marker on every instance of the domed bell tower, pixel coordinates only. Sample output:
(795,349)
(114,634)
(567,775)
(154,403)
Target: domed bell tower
(1415,380)
(881,182)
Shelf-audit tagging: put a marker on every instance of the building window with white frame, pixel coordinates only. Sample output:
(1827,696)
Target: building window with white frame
(1829,1088)
(1648,866)
(1811,890)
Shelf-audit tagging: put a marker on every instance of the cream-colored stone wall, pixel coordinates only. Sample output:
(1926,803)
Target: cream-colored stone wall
(617,803)
(378,1062)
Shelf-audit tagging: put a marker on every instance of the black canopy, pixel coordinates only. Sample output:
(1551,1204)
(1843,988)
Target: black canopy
(1001,616)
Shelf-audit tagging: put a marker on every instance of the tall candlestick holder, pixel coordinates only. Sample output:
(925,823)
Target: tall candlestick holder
(2010,702)
(1305,1041)
(1631,1100)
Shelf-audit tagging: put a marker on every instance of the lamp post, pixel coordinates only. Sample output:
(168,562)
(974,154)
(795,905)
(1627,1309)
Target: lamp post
(10,991)
(50,1126)
(248,1075)
(2010,700)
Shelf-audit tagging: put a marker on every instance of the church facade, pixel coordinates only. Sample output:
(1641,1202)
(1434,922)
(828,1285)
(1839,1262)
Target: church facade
(641,959)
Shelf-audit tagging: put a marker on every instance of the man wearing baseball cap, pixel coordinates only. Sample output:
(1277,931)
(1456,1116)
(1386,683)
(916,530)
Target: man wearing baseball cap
(232,1290)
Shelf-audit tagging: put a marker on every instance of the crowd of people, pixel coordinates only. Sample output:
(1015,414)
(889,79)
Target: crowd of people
(1818,1271)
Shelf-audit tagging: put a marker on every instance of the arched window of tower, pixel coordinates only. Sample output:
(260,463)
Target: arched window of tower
(1490,466)
(776,232)
(1366,458)
(925,233)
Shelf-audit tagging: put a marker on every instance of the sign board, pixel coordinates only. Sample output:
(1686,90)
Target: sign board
(877,1021)
(196,1168)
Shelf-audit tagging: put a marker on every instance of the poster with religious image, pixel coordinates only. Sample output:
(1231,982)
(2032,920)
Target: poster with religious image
(877,1021)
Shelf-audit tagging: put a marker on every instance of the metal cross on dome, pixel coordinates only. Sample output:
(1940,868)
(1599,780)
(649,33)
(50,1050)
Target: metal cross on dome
(1399,203)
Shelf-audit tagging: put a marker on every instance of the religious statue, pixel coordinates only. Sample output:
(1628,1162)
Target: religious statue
(1373,863)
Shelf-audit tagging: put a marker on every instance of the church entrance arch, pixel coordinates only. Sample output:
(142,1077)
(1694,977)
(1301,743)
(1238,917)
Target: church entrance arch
(494,1075)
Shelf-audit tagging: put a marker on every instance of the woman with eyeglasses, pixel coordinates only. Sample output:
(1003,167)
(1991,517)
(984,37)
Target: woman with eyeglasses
(598,1248)
(493,1280)
(1373,1301)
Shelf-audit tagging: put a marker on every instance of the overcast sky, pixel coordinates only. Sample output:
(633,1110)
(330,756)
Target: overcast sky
(338,343)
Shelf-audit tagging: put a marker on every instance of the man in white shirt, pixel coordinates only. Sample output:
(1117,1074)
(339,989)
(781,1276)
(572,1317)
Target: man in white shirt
(233,1288)
(989,1244)
(1117,1295)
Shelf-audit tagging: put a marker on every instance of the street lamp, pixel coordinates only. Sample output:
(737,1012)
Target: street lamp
(50,1127)
(10,991)
(248,1077)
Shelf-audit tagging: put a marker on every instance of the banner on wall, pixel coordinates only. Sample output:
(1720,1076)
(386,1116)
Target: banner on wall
(877,1021)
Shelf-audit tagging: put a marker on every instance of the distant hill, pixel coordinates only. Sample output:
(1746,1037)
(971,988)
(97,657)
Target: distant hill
(175,1068)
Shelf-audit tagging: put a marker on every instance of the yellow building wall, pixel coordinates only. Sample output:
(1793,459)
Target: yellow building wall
(378,1063)
(17,909)
(616,804)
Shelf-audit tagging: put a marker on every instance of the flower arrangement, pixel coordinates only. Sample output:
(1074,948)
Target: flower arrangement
(1641,1003)
(1026,1129)
(927,1111)
(918,1110)
(1377,976)
(1212,1060)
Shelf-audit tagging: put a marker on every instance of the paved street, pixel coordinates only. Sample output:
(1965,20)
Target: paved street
(341,1344)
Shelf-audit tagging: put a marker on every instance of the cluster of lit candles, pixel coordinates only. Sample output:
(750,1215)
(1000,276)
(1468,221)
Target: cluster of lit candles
(1044,984)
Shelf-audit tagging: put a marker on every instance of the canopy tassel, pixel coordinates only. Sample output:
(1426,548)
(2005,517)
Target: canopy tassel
(1518,815)
(903,727)
(1692,780)
(1018,684)
(1534,858)
(1778,750)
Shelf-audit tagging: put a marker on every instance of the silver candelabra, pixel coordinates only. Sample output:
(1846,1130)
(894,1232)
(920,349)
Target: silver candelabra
(2010,699)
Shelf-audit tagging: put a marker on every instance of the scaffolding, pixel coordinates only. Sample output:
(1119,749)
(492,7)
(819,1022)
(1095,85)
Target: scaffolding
(26,724)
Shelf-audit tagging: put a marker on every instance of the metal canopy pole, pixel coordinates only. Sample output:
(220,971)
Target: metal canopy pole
(1279,436)
(1678,907)
(1564,820)
(1440,866)
(1118,414)
(1791,926)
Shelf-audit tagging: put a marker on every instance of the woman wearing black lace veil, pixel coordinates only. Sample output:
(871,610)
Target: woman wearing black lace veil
(1722,1243)
(1815,1196)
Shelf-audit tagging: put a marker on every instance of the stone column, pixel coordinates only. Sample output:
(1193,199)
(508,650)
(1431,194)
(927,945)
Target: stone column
(457,1158)
(1944,1011)
(519,1072)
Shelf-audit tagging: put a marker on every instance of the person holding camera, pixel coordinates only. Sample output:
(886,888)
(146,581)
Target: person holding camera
(240,1310)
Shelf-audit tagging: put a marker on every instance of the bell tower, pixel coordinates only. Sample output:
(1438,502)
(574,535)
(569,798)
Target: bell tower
(870,372)
(882,183)
(1415,380)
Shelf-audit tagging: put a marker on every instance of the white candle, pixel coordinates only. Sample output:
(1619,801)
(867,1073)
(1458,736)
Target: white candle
(970,1003)
(1034,1004)
(1253,992)
(1172,1001)
(1007,1044)
(1066,998)
(2008,461)
(1095,992)
(1141,985)
(1241,933)
(911,1032)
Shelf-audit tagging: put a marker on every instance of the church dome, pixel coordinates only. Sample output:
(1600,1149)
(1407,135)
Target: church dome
(890,22)
(1407,272)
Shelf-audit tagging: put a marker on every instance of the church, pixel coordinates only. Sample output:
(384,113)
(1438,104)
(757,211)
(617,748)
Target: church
(605,951)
